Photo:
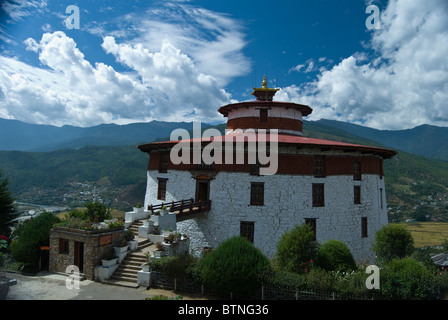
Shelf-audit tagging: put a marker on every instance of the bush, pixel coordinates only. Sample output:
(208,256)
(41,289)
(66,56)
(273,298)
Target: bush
(236,265)
(352,283)
(407,279)
(96,212)
(295,248)
(179,267)
(35,233)
(393,241)
(334,255)
(319,280)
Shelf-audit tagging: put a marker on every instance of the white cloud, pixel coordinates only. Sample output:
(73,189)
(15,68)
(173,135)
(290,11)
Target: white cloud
(70,90)
(214,41)
(18,9)
(404,85)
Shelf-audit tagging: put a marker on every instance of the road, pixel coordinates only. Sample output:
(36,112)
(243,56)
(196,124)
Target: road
(50,286)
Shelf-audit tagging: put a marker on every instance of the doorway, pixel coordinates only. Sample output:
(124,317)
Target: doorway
(79,255)
(202,190)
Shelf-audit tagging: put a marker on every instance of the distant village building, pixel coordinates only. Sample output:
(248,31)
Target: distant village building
(336,188)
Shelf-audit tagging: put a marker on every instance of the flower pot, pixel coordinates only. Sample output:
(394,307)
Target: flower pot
(120,250)
(109,262)
(146,267)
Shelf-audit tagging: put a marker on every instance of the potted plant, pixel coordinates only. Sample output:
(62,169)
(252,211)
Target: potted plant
(155,230)
(160,250)
(109,260)
(121,247)
(146,267)
(170,238)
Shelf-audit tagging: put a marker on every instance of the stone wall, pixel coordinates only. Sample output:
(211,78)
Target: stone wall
(97,245)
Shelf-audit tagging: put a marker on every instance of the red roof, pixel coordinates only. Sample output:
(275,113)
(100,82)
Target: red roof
(282,139)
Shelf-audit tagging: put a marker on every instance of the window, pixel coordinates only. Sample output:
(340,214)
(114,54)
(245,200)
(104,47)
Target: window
(312,222)
(257,193)
(63,246)
(364,227)
(263,115)
(381,198)
(318,195)
(164,159)
(356,170)
(247,230)
(357,195)
(319,166)
(161,189)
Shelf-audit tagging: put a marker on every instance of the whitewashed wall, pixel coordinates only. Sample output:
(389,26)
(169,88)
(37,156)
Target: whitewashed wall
(287,202)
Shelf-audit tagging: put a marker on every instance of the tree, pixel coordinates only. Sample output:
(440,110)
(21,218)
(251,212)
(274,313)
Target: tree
(236,265)
(96,212)
(7,210)
(393,241)
(35,233)
(334,255)
(295,248)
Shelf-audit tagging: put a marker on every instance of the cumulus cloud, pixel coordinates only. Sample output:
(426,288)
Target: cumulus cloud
(68,89)
(209,38)
(403,84)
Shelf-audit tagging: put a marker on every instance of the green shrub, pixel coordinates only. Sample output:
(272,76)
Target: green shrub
(334,255)
(407,279)
(319,280)
(236,265)
(35,233)
(393,241)
(352,283)
(284,279)
(295,248)
(179,267)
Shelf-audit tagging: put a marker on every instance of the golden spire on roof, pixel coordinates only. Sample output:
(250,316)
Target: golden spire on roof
(264,93)
(264,84)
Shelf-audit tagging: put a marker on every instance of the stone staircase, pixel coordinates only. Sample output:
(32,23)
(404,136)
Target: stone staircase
(126,273)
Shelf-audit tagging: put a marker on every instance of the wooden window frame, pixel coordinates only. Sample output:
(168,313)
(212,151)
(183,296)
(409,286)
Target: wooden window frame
(161,188)
(364,232)
(318,195)
(357,194)
(263,115)
(257,193)
(64,246)
(357,175)
(319,167)
(164,161)
(247,230)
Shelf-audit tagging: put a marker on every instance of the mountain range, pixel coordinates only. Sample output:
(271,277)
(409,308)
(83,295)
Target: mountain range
(49,160)
(426,140)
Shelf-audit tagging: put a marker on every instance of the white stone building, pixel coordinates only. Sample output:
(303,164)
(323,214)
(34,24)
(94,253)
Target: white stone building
(337,188)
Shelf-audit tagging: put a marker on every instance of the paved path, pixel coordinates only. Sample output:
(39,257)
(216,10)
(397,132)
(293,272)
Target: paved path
(50,286)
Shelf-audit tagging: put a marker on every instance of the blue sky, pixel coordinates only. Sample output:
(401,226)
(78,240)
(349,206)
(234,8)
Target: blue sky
(135,61)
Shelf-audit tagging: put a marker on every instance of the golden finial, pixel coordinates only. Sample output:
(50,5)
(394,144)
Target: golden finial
(264,84)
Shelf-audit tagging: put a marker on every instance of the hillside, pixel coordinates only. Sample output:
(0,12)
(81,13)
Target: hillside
(415,185)
(425,140)
(19,136)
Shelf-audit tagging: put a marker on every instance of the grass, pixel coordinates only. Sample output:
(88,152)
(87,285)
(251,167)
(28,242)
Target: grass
(427,234)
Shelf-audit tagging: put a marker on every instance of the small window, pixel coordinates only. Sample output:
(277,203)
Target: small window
(257,194)
(63,246)
(357,195)
(318,195)
(356,170)
(319,166)
(381,198)
(161,189)
(312,223)
(364,227)
(263,115)
(164,159)
(247,230)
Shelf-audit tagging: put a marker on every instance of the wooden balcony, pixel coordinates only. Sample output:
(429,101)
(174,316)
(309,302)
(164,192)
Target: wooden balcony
(184,209)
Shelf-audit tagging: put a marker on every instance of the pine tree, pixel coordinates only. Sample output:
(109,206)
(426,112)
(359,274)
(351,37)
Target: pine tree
(7,209)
